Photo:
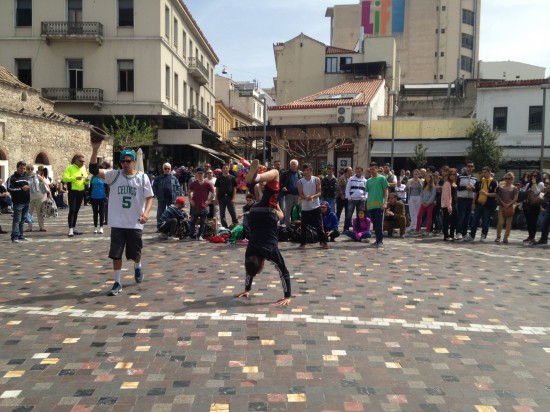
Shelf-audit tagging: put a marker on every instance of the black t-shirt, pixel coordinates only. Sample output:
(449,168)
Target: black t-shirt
(264,233)
(224,186)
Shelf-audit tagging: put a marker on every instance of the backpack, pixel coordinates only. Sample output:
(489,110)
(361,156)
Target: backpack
(284,235)
(210,228)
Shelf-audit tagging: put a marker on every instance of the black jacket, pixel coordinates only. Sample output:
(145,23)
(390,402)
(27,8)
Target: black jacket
(15,187)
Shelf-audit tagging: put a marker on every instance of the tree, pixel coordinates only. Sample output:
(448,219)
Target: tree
(130,134)
(309,146)
(484,149)
(419,157)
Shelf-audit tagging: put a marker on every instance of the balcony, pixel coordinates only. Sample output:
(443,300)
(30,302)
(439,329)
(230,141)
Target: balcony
(198,116)
(71,30)
(66,94)
(198,71)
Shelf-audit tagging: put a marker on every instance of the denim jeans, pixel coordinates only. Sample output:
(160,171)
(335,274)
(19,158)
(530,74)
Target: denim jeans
(225,202)
(483,212)
(20,210)
(464,206)
(545,228)
(377,217)
(197,213)
(161,207)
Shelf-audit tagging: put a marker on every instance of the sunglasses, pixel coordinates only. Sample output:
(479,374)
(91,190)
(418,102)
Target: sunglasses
(126,161)
(507,178)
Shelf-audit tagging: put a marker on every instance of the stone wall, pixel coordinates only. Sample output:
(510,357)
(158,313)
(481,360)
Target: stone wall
(30,130)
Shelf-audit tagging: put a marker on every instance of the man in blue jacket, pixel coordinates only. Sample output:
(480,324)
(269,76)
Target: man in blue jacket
(166,188)
(330,221)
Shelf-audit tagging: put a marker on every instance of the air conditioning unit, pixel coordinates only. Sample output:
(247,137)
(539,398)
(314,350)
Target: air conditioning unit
(343,114)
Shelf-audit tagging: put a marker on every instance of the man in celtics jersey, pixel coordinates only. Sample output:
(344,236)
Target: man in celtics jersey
(130,201)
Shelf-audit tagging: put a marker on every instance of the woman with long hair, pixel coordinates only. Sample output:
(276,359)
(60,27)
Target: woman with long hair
(507,196)
(427,198)
(536,186)
(414,190)
(448,205)
(361,227)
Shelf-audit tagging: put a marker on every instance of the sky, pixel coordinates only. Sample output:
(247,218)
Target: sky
(242,32)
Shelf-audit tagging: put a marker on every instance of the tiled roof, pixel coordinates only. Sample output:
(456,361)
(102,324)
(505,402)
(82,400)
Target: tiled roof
(366,90)
(7,77)
(338,50)
(512,83)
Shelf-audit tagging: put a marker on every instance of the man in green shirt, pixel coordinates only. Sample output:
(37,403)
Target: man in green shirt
(377,188)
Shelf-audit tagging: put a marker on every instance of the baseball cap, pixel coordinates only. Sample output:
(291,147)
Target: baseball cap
(199,170)
(128,152)
(180,201)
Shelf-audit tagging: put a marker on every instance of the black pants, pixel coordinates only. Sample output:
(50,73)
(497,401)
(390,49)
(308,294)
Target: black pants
(226,202)
(98,208)
(313,218)
(532,215)
(342,204)
(75,201)
(449,221)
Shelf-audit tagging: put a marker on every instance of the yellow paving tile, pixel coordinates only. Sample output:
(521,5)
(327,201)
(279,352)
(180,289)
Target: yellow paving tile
(129,385)
(14,374)
(296,397)
(124,365)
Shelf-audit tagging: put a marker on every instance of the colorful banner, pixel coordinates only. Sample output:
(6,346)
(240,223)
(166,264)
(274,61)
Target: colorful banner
(382,17)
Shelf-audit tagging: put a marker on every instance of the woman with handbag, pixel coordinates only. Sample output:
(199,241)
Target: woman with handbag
(534,202)
(507,196)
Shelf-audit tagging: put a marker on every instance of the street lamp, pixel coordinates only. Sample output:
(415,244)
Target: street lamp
(265,129)
(544,87)
(393,94)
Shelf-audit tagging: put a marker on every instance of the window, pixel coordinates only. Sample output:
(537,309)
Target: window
(343,62)
(23,69)
(184,96)
(176,33)
(167,22)
(23,13)
(467,41)
(76,74)
(436,31)
(466,63)
(435,54)
(167,75)
(74,11)
(126,13)
(125,75)
(500,118)
(443,8)
(442,31)
(442,54)
(176,89)
(183,43)
(331,65)
(440,77)
(535,119)
(468,17)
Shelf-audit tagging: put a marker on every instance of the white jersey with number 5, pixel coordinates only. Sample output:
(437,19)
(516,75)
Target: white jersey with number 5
(127,198)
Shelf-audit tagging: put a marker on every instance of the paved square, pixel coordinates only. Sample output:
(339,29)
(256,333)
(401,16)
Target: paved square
(420,325)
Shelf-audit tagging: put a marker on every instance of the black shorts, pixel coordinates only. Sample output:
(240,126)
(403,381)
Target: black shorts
(126,238)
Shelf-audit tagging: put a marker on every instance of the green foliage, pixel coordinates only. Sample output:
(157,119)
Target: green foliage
(419,157)
(130,134)
(484,149)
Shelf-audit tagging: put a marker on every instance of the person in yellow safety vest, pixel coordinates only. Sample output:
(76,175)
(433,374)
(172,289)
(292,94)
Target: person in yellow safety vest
(76,177)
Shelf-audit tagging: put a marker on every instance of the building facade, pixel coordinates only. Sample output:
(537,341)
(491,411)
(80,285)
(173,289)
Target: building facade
(95,60)
(437,40)
(32,131)
(515,109)
(510,70)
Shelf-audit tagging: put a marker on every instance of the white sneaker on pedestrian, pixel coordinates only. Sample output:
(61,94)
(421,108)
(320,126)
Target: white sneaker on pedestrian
(71,232)
(101,229)
(200,238)
(483,238)
(458,236)
(468,238)
(96,230)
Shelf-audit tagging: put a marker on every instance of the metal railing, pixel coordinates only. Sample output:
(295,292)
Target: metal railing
(199,116)
(66,93)
(70,28)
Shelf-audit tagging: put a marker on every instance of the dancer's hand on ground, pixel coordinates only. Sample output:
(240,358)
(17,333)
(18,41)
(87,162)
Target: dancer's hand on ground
(283,302)
(244,294)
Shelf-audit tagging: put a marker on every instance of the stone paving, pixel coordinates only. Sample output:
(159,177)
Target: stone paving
(420,325)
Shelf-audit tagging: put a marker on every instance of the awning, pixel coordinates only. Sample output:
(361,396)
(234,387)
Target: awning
(405,148)
(211,152)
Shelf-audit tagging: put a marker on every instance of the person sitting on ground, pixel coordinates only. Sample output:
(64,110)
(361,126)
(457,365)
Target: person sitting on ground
(263,219)
(173,218)
(330,221)
(361,227)
(5,199)
(394,216)
(244,216)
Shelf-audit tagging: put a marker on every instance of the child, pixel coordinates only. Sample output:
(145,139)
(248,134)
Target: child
(246,210)
(361,227)
(263,220)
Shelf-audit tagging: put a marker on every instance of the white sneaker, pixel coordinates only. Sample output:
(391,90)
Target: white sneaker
(96,230)
(458,236)
(71,232)
(101,229)
(483,238)
(200,238)
(468,238)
